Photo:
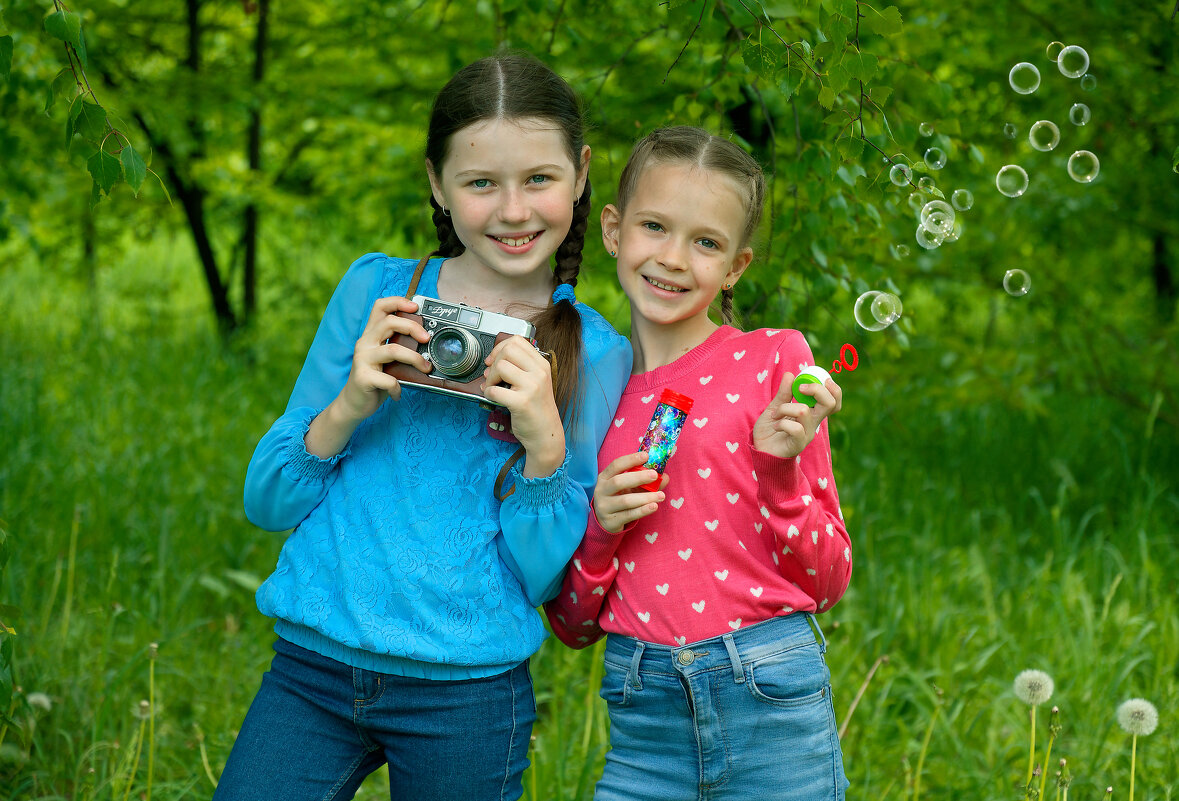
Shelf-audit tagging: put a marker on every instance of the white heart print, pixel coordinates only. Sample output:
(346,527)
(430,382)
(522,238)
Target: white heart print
(700,422)
(599,591)
(732,398)
(649,398)
(630,567)
(738,355)
(792,532)
(815,537)
(645,617)
(822,483)
(733,497)
(652,537)
(772,332)
(711,524)
(699,607)
(663,588)
(806,500)
(618,421)
(577,564)
(676,503)
(732,446)
(761,377)
(705,379)
(721,574)
(681,640)
(685,554)
(735,624)
(705,473)
(756,591)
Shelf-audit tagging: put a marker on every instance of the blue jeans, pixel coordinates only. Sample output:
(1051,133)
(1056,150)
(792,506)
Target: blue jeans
(317,727)
(747,715)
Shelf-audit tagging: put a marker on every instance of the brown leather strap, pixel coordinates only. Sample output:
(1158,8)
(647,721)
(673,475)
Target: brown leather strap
(503,474)
(417,276)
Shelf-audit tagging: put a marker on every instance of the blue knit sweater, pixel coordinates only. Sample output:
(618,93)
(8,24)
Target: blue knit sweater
(401,559)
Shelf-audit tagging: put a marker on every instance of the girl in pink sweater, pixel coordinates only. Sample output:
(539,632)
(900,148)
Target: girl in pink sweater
(706,587)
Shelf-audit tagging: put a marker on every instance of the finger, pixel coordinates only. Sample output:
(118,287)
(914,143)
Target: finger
(836,393)
(622,464)
(785,391)
(387,354)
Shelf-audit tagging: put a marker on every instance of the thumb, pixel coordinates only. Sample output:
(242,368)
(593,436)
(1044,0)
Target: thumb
(785,390)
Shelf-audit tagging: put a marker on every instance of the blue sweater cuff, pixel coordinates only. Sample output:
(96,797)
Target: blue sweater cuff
(303,466)
(539,492)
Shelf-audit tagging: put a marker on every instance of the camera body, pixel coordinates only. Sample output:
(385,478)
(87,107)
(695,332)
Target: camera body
(461,338)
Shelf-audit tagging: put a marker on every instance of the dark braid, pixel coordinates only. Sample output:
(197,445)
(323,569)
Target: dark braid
(727,316)
(568,256)
(449,245)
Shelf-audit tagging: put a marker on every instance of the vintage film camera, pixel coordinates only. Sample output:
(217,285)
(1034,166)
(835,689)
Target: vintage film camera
(461,337)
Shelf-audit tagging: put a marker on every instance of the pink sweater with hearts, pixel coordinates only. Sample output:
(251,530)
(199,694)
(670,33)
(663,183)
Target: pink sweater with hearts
(743,535)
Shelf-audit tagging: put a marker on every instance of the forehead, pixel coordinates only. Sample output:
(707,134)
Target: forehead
(694,193)
(508,144)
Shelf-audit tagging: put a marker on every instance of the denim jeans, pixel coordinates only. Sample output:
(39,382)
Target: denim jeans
(317,727)
(747,715)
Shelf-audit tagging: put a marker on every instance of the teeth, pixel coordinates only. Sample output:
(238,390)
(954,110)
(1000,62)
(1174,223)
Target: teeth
(516,242)
(661,285)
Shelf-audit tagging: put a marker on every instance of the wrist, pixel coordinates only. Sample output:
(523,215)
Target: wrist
(545,458)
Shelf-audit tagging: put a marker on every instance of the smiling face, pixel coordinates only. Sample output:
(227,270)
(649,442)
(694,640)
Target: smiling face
(678,243)
(509,186)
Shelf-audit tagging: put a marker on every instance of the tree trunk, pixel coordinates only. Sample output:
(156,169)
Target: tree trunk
(254,148)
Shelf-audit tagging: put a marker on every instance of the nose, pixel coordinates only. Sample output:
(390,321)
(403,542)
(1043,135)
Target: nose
(672,256)
(513,208)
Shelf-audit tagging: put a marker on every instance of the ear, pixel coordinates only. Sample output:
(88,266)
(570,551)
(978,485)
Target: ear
(435,184)
(740,264)
(582,171)
(611,218)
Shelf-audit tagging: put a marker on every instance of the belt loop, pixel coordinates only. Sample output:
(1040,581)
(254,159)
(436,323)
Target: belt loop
(633,676)
(819,638)
(731,647)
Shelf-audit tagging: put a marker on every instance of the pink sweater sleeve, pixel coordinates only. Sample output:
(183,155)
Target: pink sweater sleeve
(573,614)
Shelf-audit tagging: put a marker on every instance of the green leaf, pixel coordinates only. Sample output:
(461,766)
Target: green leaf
(1175,160)
(827,97)
(91,121)
(65,25)
(5,57)
(884,23)
(844,8)
(758,58)
(880,95)
(134,168)
(106,170)
(838,77)
(64,85)
(862,66)
(850,148)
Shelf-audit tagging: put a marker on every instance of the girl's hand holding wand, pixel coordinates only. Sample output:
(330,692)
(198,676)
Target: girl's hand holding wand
(618,502)
(786,427)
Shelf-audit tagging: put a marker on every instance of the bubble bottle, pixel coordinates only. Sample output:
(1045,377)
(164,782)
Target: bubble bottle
(662,433)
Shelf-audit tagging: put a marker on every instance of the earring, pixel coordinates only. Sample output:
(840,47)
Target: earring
(728,287)
(613,254)
(445,211)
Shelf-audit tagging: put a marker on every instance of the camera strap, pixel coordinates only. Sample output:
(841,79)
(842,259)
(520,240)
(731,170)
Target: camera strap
(515,457)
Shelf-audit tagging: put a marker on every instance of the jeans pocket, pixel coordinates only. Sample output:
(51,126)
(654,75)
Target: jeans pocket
(794,678)
(615,685)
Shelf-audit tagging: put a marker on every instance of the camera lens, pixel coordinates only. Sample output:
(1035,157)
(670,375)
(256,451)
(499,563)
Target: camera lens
(454,352)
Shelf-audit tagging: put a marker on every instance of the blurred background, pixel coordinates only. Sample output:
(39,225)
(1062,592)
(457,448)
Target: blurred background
(182,184)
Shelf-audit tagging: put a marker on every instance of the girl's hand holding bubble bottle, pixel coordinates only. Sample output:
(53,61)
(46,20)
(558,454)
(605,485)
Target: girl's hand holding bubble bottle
(817,375)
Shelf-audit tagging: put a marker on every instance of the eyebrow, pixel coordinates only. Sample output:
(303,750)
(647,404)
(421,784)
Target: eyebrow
(531,170)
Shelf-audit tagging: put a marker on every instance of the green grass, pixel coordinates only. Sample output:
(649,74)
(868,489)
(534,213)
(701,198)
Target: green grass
(985,542)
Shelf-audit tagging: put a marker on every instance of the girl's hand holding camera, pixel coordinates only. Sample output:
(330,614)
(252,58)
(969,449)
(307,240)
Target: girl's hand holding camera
(520,378)
(618,499)
(786,427)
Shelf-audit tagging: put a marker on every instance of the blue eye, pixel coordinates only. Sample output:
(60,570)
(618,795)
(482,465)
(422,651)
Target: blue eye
(481,183)
(538,179)
(653,226)
(708,243)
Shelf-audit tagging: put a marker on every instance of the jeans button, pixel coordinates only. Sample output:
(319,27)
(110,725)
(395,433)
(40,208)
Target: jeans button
(686,657)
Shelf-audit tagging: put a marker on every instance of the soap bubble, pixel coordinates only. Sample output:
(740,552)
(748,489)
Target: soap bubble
(925,129)
(1088,82)
(916,201)
(937,217)
(1054,49)
(1044,135)
(876,311)
(1024,78)
(900,174)
(955,232)
(1083,166)
(926,184)
(1073,61)
(962,199)
(935,158)
(1010,131)
(899,251)
(1011,180)
(1078,114)
(1017,282)
(928,239)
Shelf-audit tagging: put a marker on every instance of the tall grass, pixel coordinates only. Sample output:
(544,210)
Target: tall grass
(984,543)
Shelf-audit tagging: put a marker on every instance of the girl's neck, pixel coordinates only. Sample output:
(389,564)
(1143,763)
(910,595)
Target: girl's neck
(656,345)
(467,280)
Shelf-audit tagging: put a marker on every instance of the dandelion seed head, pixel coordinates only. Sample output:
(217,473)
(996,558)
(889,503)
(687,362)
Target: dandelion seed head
(1138,716)
(1033,687)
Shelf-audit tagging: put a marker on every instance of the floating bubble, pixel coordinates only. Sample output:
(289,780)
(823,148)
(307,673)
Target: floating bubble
(955,232)
(962,199)
(926,184)
(925,129)
(1017,282)
(1054,49)
(928,239)
(1044,135)
(863,312)
(1010,131)
(886,308)
(1083,167)
(916,201)
(937,217)
(900,174)
(1011,180)
(935,158)
(1078,114)
(1073,61)
(899,251)
(1024,78)
(1088,82)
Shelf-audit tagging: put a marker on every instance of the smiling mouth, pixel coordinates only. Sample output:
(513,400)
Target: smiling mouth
(663,286)
(516,241)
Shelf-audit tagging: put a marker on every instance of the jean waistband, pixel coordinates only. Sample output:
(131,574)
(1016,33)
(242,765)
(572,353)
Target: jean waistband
(735,648)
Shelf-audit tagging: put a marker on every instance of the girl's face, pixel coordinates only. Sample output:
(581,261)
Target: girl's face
(678,242)
(510,188)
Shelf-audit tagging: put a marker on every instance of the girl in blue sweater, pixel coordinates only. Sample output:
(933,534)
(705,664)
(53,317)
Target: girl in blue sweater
(406,595)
